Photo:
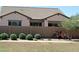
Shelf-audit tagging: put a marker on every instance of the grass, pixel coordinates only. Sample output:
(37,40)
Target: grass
(38,47)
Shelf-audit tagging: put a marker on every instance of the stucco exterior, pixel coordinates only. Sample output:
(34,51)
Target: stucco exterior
(26,21)
(14,16)
(56,18)
(46,23)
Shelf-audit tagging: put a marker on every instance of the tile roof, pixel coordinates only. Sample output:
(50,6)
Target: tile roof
(33,12)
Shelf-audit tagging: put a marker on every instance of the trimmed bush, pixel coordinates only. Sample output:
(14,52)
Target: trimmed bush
(22,36)
(13,37)
(35,39)
(37,36)
(0,37)
(29,37)
(17,34)
(4,36)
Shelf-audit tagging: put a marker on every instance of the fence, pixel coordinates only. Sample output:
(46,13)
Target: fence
(44,31)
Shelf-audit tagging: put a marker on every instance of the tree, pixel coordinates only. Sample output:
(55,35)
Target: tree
(70,25)
(76,17)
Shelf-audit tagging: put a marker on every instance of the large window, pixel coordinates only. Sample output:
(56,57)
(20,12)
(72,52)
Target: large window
(14,23)
(35,24)
(53,24)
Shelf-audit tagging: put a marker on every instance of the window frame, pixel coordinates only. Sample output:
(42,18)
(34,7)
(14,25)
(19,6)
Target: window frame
(18,21)
(53,24)
(36,24)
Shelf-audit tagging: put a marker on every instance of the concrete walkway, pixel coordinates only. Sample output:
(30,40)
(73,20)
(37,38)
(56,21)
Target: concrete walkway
(44,40)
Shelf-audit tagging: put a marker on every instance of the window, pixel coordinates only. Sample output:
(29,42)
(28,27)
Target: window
(35,24)
(53,24)
(49,24)
(14,23)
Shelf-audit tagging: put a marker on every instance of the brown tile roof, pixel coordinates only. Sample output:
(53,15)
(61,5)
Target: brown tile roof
(33,12)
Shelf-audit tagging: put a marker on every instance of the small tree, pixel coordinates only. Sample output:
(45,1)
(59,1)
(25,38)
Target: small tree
(75,17)
(70,25)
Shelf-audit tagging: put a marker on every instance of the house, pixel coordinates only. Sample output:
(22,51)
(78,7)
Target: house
(30,17)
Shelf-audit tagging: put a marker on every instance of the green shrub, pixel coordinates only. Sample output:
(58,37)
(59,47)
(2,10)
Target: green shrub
(13,37)
(29,37)
(35,39)
(0,37)
(22,36)
(37,36)
(17,34)
(4,36)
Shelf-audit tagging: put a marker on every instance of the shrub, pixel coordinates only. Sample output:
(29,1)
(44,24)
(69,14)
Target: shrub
(13,37)
(0,37)
(4,36)
(17,34)
(29,37)
(22,36)
(37,36)
(34,39)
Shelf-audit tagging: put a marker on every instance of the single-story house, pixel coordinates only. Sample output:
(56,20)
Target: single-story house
(30,16)
(30,19)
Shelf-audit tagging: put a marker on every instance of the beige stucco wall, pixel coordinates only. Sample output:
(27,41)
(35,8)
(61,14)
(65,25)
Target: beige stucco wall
(55,18)
(26,21)
(14,16)
(46,23)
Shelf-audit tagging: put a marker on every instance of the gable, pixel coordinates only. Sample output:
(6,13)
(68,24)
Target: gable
(14,16)
(14,12)
(38,19)
(57,17)
(59,14)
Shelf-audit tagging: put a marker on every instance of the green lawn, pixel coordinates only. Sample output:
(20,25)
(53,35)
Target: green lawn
(38,47)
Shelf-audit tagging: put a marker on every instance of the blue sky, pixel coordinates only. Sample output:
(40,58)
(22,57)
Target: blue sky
(68,10)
